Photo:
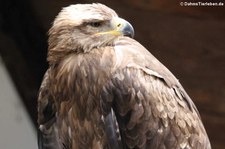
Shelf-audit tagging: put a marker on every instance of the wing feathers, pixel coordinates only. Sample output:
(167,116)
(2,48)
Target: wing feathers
(151,113)
(47,133)
(112,131)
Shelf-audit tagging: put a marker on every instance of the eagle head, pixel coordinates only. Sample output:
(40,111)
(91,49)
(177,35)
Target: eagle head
(82,27)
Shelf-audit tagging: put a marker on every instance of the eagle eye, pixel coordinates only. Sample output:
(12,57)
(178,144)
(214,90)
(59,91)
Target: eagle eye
(95,24)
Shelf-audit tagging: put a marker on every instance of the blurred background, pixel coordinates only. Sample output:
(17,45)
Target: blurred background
(190,41)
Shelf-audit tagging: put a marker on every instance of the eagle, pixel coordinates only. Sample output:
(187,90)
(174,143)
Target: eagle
(104,90)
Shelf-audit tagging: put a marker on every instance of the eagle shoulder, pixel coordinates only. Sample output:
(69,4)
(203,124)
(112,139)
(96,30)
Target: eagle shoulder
(150,114)
(151,106)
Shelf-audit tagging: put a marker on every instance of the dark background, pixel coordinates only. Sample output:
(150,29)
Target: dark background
(190,41)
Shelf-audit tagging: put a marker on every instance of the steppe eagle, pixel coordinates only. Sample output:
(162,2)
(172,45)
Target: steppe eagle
(104,90)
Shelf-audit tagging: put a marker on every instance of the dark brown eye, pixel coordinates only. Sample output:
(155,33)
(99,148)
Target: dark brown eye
(95,24)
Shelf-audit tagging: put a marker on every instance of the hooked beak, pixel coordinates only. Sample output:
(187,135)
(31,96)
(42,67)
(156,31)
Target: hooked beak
(122,27)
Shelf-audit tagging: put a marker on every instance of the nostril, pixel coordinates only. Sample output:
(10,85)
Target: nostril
(119,25)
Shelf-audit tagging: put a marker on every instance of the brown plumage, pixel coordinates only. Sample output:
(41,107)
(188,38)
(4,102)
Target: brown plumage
(104,90)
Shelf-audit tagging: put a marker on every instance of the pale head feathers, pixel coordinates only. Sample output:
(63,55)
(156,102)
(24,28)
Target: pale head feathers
(70,32)
(79,13)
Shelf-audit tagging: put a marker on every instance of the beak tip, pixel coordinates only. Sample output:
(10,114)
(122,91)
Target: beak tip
(126,29)
(129,34)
